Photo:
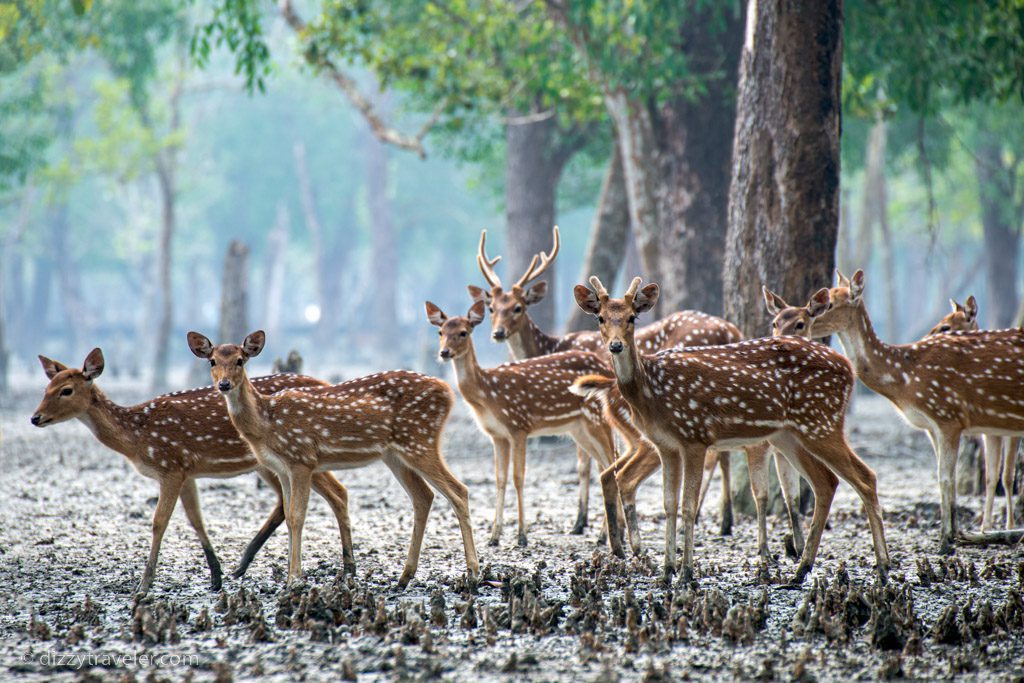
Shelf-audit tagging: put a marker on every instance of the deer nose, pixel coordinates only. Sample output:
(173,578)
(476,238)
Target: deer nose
(224,385)
(499,334)
(445,354)
(615,346)
(36,419)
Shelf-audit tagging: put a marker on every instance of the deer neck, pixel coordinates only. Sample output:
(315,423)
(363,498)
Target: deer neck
(631,375)
(531,342)
(247,411)
(112,424)
(878,365)
(468,374)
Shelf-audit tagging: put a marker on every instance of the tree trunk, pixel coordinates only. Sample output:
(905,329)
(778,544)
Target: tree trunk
(533,166)
(384,246)
(784,198)
(165,180)
(69,288)
(273,271)
(1002,235)
(234,294)
(609,237)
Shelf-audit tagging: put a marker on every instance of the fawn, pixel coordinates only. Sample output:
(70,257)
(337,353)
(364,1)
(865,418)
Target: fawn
(175,439)
(517,400)
(396,417)
(788,391)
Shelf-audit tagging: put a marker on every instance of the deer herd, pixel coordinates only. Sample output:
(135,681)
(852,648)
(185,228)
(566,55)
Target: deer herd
(679,393)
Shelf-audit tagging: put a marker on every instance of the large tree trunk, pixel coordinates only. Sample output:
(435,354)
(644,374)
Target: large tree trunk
(784,198)
(875,210)
(69,288)
(383,243)
(273,271)
(1000,224)
(534,161)
(234,294)
(165,180)
(609,237)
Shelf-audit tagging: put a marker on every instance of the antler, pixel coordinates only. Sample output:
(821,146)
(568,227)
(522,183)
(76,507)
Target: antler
(487,266)
(602,293)
(631,292)
(535,271)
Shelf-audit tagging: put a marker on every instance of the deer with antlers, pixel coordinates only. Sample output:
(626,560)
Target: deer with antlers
(511,323)
(1000,451)
(948,384)
(514,401)
(396,417)
(175,439)
(790,392)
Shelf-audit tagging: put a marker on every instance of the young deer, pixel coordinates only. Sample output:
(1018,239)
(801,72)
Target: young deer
(514,401)
(175,439)
(1000,451)
(394,416)
(982,395)
(790,392)
(511,322)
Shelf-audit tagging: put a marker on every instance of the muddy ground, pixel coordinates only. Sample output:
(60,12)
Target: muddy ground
(74,533)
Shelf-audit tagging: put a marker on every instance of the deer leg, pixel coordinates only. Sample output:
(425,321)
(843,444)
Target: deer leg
(629,473)
(789,483)
(269,527)
(725,507)
(299,484)
(710,463)
(844,462)
(583,470)
(692,461)
(336,495)
(671,478)
(824,483)
(993,467)
(599,443)
(518,480)
(502,450)
(422,498)
(947,446)
(458,495)
(1011,445)
(170,489)
(190,501)
(757,468)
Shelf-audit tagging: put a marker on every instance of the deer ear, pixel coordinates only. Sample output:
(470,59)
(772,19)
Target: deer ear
(476,313)
(841,280)
(199,345)
(971,309)
(536,293)
(586,299)
(955,306)
(435,315)
(253,344)
(93,365)
(478,294)
(51,367)
(772,301)
(818,303)
(857,284)
(645,299)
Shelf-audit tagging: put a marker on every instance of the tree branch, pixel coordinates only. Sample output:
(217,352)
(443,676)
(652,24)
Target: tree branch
(381,130)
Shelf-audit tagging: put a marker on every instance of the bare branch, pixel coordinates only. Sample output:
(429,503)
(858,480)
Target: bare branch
(380,129)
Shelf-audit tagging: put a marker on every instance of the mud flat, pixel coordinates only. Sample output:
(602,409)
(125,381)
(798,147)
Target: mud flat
(74,533)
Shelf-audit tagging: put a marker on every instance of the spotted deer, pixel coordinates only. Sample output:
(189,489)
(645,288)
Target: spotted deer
(511,323)
(396,417)
(790,392)
(948,384)
(175,439)
(517,400)
(1000,451)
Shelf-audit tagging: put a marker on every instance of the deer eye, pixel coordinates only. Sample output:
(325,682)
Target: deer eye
(799,325)
(212,362)
(67,391)
(632,319)
(945,328)
(518,309)
(239,362)
(462,334)
(600,320)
